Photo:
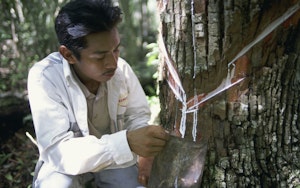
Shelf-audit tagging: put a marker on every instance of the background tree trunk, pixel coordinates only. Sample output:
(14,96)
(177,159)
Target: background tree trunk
(253,128)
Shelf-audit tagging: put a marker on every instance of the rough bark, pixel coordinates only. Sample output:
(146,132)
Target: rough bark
(253,128)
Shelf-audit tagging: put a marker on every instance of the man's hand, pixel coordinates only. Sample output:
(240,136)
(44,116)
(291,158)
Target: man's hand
(147,141)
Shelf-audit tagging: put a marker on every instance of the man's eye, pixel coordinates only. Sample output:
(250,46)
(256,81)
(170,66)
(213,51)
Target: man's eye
(100,58)
(117,50)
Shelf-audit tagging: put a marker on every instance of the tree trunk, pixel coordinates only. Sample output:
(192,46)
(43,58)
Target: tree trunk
(252,128)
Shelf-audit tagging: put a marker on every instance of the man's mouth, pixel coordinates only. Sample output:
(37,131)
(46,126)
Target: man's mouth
(109,73)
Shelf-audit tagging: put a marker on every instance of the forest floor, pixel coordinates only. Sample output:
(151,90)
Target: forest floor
(18,156)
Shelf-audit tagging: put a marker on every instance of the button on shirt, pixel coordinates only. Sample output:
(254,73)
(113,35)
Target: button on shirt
(98,116)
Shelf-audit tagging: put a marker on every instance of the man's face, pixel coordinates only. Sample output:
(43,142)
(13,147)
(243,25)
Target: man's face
(99,60)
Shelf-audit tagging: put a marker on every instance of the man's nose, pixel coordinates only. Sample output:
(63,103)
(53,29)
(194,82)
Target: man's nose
(111,60)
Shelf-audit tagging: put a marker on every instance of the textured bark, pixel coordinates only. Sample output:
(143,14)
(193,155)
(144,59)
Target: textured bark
(253,128)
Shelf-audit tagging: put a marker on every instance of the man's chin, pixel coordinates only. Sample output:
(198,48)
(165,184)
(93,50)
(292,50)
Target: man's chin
(106,78)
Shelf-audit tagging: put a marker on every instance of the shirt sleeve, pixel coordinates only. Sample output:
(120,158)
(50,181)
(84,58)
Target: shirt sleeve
(89,154)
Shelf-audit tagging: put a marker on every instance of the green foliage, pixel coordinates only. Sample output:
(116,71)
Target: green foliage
(153,101)
(153,57)
(4,157)
(17,160)
(138,32)
(26,36)
(151,69)
(155,109)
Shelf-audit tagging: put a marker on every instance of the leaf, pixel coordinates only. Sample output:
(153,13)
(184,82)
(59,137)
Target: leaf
(9,177)
(4,157)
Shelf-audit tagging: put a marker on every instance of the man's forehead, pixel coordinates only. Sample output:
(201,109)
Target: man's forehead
(100,52)
(103,41)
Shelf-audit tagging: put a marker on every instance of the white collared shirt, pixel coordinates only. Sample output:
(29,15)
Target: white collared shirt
(60,115)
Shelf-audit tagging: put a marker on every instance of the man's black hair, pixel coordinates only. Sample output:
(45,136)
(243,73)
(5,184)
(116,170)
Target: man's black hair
(78,18)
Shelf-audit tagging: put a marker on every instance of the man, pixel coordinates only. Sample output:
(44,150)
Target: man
(89,110)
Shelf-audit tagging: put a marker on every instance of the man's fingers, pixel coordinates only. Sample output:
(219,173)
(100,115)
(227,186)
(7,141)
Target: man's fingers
(157,142)
(160,133)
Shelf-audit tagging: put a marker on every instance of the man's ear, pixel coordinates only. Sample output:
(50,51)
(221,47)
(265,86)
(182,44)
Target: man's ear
(67,54)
